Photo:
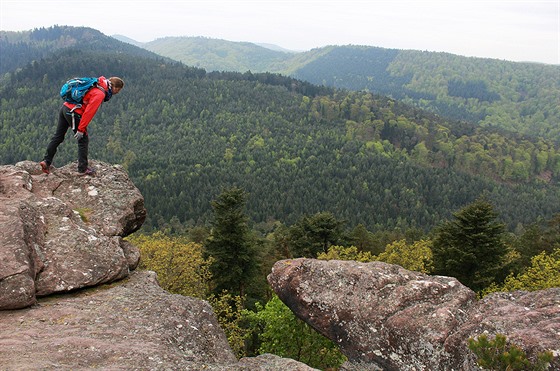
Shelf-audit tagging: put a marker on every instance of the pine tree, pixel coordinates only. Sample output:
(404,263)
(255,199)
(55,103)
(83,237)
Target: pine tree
(314,234)
(471,246)
(230,244)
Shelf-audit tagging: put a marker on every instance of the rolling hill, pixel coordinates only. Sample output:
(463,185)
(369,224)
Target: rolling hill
(20,48)
(519,97)
(185,134)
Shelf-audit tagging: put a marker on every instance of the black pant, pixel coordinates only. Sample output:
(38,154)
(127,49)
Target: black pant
(65,122)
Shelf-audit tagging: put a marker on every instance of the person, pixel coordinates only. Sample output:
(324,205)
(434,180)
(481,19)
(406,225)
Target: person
(78,117)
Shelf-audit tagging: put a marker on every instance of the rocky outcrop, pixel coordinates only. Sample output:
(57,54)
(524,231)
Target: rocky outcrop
(385,317)
(62,232)
(132,324)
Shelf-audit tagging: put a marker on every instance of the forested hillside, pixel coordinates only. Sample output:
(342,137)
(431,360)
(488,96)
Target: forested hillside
(297,149)
(519,97)
(20,48)
(217,55)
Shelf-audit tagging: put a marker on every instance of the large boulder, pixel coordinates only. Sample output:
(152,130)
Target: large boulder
(385,317)
(132,324)
(62,231)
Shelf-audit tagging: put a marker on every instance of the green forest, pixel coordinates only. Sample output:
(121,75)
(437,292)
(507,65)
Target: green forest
(262,166)
(518,97)
(296,148)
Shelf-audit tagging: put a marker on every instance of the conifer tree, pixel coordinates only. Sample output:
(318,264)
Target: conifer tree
(471,247)
(314,234)
(230,243)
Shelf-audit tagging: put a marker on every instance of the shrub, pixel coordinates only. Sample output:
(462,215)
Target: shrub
(496,354)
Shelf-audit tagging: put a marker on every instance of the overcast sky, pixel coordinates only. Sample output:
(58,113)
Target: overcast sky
(514,30)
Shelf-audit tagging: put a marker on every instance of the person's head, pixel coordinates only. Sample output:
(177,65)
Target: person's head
(116,84)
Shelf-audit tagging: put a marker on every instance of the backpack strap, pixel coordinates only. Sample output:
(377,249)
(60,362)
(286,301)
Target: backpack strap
(79,105)
(108,93)
(74,116)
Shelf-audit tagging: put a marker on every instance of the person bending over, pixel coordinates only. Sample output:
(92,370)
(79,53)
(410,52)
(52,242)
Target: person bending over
(78,117)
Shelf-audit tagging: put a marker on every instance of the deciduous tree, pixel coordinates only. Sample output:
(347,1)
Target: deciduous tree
(283,334)
(416,256)
(544,273)
(346,253)
(179,264)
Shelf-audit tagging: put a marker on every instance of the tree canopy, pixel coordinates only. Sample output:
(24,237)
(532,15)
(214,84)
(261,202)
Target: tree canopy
(471,246)
(229,245)
(299,149)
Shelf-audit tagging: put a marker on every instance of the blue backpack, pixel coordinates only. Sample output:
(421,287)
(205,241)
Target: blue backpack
(73,90)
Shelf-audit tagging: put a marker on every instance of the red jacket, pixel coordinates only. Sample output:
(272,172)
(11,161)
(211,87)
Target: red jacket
(91,103)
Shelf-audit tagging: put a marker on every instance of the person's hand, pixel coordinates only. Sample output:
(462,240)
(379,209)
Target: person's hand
(79,135)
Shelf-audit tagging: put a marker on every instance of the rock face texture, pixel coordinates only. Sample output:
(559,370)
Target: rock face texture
(62,232)
(384,317)
(132,325)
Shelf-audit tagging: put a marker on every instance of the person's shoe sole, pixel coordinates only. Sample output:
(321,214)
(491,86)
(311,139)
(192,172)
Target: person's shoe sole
(90,173)
(45,167)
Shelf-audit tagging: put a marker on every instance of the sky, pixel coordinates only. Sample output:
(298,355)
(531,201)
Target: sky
(513,30)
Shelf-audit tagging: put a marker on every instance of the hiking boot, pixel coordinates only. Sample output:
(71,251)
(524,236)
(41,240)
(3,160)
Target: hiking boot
(89,171)
(45,167)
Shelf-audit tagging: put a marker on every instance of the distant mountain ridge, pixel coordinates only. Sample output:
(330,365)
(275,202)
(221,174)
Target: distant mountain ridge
(277,48)
(518,97)
(128,40)
(217,55)
(487,92)
(274,47)
(20,48)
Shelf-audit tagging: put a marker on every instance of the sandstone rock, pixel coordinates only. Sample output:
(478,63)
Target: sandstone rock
(62,231)
(530,320)
(132,324)
(385,317)
(267,362)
